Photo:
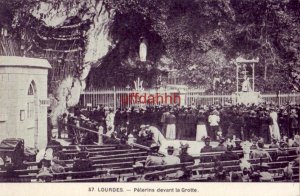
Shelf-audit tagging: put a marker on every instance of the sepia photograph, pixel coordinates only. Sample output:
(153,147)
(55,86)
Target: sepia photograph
(149,91)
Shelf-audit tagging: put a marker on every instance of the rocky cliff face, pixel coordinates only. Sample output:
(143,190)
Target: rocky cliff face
(82,28)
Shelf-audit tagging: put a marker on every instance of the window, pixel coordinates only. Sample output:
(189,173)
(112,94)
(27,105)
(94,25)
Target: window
(30,101)
(31,89)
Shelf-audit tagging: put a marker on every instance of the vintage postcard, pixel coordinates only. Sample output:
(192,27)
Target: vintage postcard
(149,97)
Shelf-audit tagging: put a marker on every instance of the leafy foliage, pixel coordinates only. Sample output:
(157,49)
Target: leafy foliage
(201,37)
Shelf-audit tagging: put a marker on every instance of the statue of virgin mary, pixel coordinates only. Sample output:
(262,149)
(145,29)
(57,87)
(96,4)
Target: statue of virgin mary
(246,86)
(143,50)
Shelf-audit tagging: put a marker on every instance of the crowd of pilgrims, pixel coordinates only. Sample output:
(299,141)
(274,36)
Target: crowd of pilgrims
(264,124)
(267,122)
(257,124)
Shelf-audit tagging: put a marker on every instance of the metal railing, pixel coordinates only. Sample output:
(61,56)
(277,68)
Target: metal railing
(122,98)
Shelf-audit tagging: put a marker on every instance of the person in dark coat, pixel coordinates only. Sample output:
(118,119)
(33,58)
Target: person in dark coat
(117,120)
(180,125)
(252,125)
(274,143)
(294,123)
(207,147)
(226,118)
(229,155)
(82,161)
(221,146)
(238,124)
(190,123)
(184,155)
(282,150)
(283,121)
(265,122)
(238,146)
(49,126)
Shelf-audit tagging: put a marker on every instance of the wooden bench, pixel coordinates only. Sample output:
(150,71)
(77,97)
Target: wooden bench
(280,178)
(287,158)
(278,164)
(75,151)
(100,159)
(101,179)
(87,146)
(210,156)
(280,170)
(273,152)
(116,160)
(141,153)
(103,153)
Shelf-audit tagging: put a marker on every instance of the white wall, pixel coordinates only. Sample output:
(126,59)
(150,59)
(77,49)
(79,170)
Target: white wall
(14,84)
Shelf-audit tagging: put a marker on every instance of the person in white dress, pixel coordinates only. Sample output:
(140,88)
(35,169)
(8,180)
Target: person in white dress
(110,119)
(171,127)
(275,132)
(201,126)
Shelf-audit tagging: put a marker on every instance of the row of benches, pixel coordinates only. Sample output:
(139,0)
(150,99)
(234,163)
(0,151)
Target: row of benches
(111,161)
(201,169)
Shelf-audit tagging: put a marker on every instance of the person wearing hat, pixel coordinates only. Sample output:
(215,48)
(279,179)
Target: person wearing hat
(282,150)
(170,158)
(142,132)
(154,158)
(184,155)
(221,146)
(254,141)
(207,147)
(237,143)
(229,155)
(274,143)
